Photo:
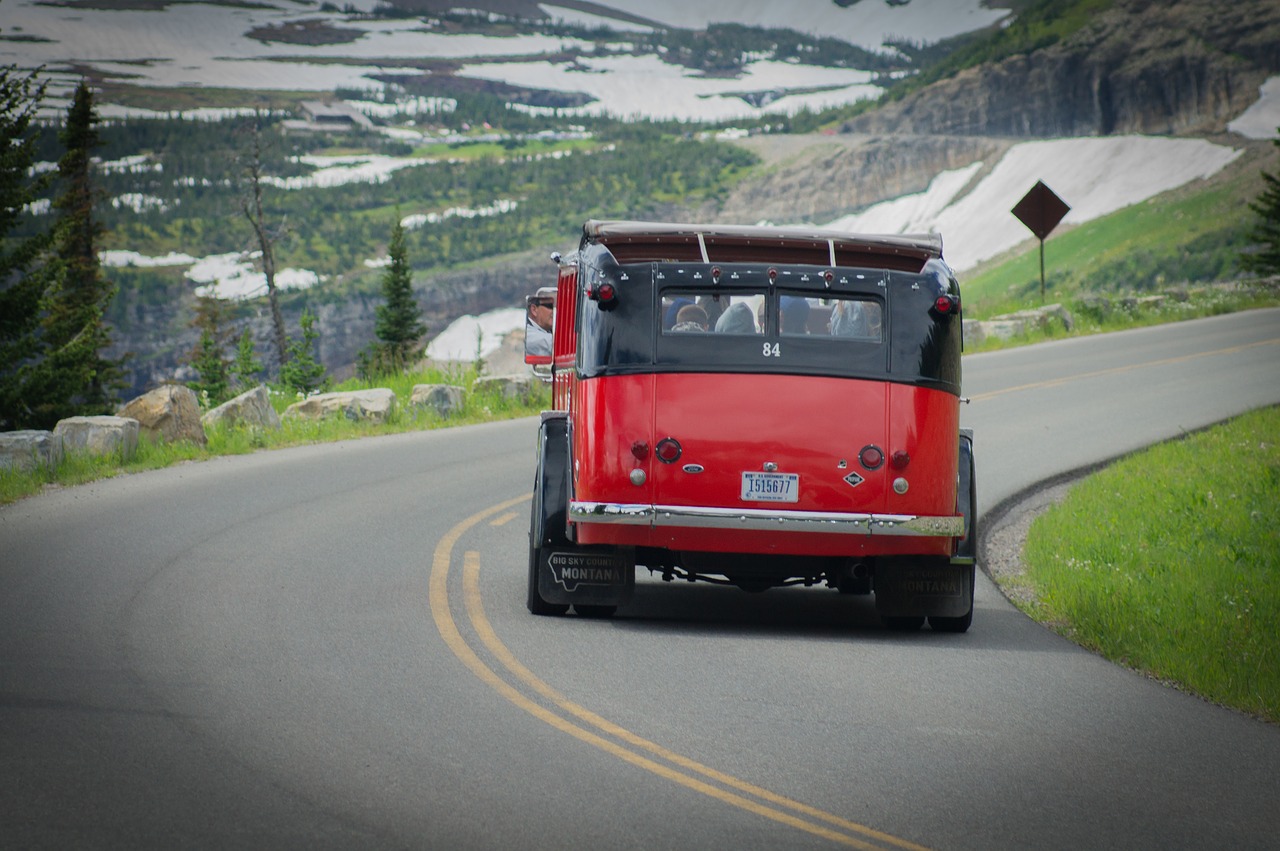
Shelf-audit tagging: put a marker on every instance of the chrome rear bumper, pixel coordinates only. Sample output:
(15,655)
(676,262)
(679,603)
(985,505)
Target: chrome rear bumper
(774,520)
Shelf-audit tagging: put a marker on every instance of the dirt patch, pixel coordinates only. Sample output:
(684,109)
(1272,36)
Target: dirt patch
(1000,547)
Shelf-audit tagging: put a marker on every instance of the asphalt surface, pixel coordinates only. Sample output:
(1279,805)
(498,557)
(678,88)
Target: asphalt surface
(328,647)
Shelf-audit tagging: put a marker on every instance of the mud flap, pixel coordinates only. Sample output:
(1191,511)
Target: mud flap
(602,576)
(923,587)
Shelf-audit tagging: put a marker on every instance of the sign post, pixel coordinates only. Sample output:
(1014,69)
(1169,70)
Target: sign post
(1040,210)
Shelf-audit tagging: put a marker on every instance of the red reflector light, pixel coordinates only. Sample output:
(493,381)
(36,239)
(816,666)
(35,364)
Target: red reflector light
(668,450)
(900,460)
(871,457)
(943,304)
(640,450)
(605,294)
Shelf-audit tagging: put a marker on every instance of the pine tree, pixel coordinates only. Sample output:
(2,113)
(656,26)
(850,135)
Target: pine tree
(20,288)
(246,367)
(73,377)
(1266,230)
(399,325)
(301,372)
(208,358)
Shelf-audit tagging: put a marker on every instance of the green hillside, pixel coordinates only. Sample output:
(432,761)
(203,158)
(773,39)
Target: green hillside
(1188,237)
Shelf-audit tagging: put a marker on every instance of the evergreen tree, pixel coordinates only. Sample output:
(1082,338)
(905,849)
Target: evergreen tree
(302,372)
(399,325)
(208,358)
(1266,230)
(20,289)
(73,377)
(246,367)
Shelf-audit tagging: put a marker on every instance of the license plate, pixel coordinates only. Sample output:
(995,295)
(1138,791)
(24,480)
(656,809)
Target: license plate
(771,487)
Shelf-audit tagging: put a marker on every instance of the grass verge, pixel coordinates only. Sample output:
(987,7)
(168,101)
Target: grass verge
(478,407)
(1169,562)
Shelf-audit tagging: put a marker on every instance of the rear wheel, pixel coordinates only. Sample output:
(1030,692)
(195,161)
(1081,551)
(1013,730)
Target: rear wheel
(960,624)
(537,605)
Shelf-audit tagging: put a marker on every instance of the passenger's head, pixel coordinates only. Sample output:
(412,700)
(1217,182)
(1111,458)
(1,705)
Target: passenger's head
(669,315)
(736,320)
(691,317)
(542,308)
(795,314)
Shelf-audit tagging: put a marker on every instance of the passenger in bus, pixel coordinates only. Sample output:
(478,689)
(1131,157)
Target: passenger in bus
(538,321)
(669,315)
(795,315)
(853,318)
(690,318)
(714,305)
(736,320)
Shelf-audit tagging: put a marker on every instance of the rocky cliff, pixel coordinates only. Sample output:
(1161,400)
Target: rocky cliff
(1148,67)
(816,179)
(158,339)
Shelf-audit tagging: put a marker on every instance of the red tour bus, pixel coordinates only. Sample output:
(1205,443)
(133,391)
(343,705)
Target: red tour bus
(759,407)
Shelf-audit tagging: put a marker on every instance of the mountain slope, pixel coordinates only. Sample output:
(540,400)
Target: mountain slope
(1182,67)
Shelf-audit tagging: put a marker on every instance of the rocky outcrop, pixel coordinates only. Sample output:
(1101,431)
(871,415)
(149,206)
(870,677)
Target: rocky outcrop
(251,409)
(168,413)
(1010,325)
(442,399)
(28,449)
(155,327)
(818,179)
(374,405)
(1139,67)
(522,387)
(98,435)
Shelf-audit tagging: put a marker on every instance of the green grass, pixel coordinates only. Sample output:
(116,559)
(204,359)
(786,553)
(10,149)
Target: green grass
(1189,235)
(1169,562)
(478,407)
(1191,303)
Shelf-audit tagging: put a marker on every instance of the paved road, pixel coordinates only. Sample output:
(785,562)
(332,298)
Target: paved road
(327,647)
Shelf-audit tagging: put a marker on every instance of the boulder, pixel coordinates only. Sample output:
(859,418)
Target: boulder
(374,405)
(98,435)
(1010,325)
(168,413)
(508,387)
(444,399)
(28,449)
(251,408)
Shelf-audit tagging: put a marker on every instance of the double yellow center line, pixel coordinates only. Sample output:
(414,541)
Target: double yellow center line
(525,690)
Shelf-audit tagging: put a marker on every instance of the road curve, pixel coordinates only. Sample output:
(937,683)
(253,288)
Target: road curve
(327,647)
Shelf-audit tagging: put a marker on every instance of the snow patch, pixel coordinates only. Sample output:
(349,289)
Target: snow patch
(458,342)
(1262,120)
(1095,176)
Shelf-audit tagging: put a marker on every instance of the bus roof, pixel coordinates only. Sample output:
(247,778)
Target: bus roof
(632,241)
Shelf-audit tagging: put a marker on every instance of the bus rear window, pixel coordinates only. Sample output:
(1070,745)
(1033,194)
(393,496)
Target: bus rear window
(843,317)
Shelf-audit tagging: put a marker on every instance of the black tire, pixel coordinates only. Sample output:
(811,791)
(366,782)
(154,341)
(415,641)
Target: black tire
(537,605)
(960,624)
(585,611)
(905,623)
